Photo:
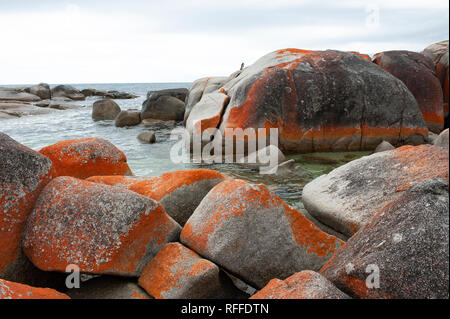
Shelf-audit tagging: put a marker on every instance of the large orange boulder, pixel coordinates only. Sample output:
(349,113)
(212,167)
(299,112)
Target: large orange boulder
(23,174)
(438,52)
(180,192)
(303,285)
(179,273)
(402,252)
(346,198)
(254,235)
(101,229)
(319,101)
(13,290)
(87,157)
(417,72)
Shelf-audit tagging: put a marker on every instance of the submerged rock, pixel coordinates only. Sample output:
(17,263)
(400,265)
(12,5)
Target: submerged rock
(179,273)
(417,72)
(303,285)
(101,229)
(402,252)
(254,235)
(147,137)
(346,198)
(128,118)
(87,157)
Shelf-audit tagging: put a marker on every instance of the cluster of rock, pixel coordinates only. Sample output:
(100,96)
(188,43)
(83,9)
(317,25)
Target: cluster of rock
(41,99)
(198,233)
(161,107)
(328,100)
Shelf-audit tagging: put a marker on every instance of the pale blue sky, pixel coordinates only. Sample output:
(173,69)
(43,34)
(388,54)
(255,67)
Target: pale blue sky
(82,41)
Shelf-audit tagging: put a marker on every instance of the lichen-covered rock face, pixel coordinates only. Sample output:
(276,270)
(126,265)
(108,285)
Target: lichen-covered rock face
(303,285)
(87,157)
(417,72)
(118,181)
(23,174)
(108,287)
(319,101)
(404,246)
(438,52)
(346,198)
(105,109)
(101,229)
(254,235)
(179,273)
(180,192)
(13,290)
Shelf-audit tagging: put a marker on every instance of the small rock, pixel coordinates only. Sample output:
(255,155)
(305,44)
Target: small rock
(105,110)
(128,118)
(442,140)
(384,146)
(147,137)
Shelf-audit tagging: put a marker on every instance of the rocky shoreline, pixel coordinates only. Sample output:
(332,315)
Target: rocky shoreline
(377,227)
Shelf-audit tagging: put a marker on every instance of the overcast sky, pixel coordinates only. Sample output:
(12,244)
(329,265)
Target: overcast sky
(99,41)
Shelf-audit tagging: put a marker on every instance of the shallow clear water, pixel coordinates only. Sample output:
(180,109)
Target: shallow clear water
(153,159)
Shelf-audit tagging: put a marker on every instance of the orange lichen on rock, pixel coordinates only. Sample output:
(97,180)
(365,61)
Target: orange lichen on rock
(321,105)
(13,290)
(362,55)
(100,228)
(303,285)
(246,220)
(417,73)
(87,157)
(178,272)
(114,180)
(23,174)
